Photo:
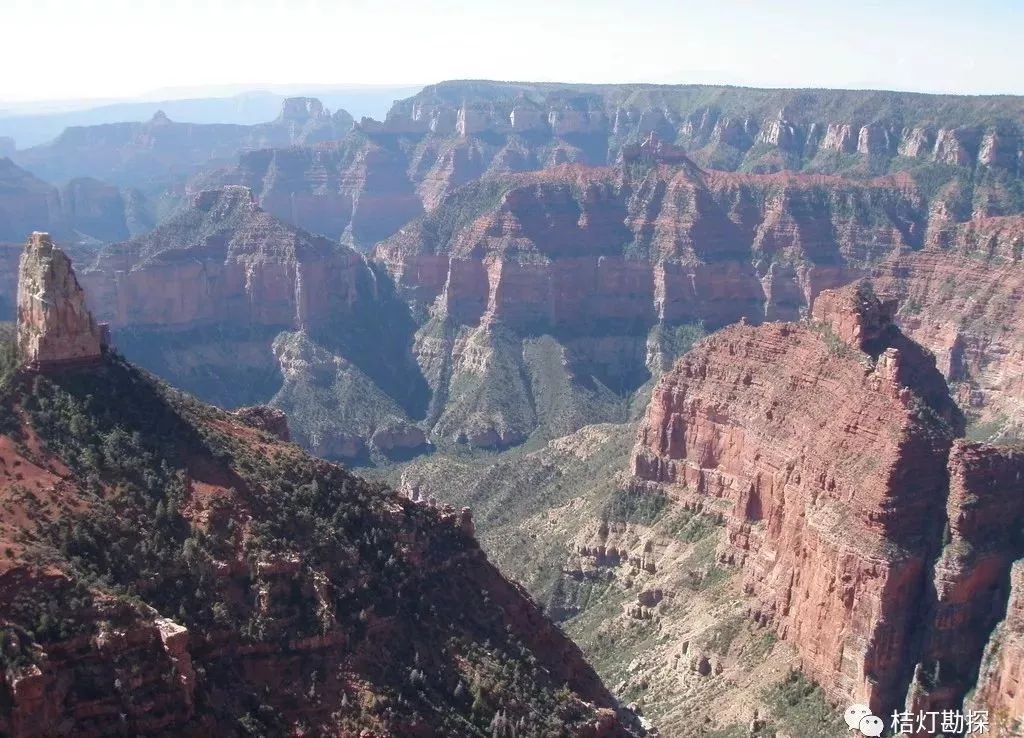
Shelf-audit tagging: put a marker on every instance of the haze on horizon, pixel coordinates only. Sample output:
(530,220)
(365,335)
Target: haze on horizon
(75,49)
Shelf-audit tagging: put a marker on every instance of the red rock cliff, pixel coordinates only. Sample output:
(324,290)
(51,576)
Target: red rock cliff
(574,246)
(224,260)
(831,469)
(962,297)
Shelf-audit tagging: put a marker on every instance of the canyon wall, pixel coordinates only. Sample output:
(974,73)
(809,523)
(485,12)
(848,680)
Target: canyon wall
(356,190)
(229,302)
(601,258)
(962,296)
(828,448)
(723,128)
(455,133)
(224,260)
(576,247)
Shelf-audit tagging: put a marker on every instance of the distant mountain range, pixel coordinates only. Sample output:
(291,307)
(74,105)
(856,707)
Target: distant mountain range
(29,125)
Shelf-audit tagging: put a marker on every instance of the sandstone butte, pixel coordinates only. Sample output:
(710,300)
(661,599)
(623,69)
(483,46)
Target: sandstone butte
(172,569)
(866,533)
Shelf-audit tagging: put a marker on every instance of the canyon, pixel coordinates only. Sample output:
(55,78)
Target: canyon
(796,498)
(454,133)
(171,568)
(497,298)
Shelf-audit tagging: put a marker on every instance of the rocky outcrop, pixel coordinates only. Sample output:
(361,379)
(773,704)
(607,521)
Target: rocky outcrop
(266,418)
(808,490)
(855,315)
(54,325)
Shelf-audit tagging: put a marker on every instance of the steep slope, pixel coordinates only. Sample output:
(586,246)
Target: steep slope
(229,302)
(26,203)
(170,569)
(158,153)
(84,211)
(999,686)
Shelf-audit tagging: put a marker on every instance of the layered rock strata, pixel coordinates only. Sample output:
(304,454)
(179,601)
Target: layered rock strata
(224,261)
(356,190)
(665,243)
(828,448)
(494,127)
(84,211)
(962,296)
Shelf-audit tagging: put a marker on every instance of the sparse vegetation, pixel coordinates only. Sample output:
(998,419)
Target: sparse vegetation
(800,708)
(142,451)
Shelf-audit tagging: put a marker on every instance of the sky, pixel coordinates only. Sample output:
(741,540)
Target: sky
(59,49)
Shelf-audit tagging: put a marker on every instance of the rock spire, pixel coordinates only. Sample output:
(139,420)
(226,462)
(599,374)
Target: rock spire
(54,325)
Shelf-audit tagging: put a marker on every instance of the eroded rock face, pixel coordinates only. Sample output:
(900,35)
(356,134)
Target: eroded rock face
(54,325)
(962,297)
(856,315)
(830,469)
(83,212)
(581,247)
(26,203)
(1000,687)
(356,190)
(224,261)
(724,128)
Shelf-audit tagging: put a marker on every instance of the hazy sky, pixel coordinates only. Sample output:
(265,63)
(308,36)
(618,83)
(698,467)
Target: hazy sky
(115,48)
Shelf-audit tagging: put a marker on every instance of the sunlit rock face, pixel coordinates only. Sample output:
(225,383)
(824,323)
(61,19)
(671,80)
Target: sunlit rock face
(54,324)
